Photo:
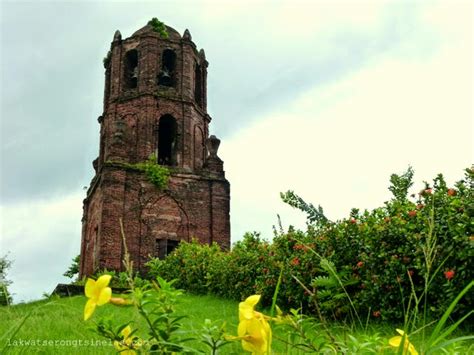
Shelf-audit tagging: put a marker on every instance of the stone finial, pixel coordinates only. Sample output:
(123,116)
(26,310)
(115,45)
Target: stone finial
(202,54)
(187,35)
(212,144)
(117,36)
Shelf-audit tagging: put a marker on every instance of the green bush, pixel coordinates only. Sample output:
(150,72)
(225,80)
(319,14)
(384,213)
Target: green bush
(189,264)
(379,256)
(5,296)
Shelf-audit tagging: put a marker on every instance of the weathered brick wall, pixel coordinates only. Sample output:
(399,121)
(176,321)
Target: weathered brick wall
(196,202)
(193,206)
(130,130)
(90,232)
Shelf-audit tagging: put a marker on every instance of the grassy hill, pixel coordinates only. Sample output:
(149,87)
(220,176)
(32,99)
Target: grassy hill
(56,326)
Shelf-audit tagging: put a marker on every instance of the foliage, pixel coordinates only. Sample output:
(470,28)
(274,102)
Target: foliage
(328,269)
(439,332)
(189,266)
(315,215)
(74,268)
(421,243)
(401,183)
(106,60)
(330,290)
(305,333)
(157,174)
(159,27)
(5,296)
(155,303)
(213,335)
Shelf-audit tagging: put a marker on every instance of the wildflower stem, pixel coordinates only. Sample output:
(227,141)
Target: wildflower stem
(318,310)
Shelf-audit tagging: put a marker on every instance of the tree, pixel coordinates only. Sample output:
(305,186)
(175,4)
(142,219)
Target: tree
(5,296)
(74,268)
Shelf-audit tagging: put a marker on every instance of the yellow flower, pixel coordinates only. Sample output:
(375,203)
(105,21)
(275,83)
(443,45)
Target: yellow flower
(98,294)
(253,329)
(123,347)
(407,346)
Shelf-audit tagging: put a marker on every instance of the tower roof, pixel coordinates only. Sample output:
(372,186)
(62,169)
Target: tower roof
(148,30)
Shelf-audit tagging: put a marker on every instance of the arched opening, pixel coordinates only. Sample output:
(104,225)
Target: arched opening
(166,140)
(164,224)
(131,69)
(198,84)
(168,64)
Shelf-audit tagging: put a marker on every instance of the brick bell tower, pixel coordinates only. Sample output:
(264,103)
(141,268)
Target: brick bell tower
(155,102)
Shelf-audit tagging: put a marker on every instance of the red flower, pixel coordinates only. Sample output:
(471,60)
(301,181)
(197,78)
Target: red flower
(360,264)
(451,192)
(412,213)
(449,274)
(353,220)
(295,261)
(376,314)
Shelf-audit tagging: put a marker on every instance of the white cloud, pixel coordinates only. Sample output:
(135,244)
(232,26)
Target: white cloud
(42,238)
(337,145)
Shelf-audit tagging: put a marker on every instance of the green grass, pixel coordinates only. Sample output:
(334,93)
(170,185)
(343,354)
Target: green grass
(60,321)
(56,327)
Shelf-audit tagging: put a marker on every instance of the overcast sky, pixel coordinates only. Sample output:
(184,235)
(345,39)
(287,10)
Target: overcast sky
(326,98)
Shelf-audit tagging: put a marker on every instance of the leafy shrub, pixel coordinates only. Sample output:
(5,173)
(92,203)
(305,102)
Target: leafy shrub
(188,264)
(159,27)
(377,257)
(156,174)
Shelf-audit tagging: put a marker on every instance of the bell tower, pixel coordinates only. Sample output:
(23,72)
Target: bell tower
(155,104)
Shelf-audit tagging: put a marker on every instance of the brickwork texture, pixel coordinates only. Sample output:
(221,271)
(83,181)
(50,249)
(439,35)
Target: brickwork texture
(155,102)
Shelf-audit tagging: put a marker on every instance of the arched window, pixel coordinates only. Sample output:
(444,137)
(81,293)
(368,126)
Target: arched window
(166,140)
(168,64)
(131,69)
(198,84)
